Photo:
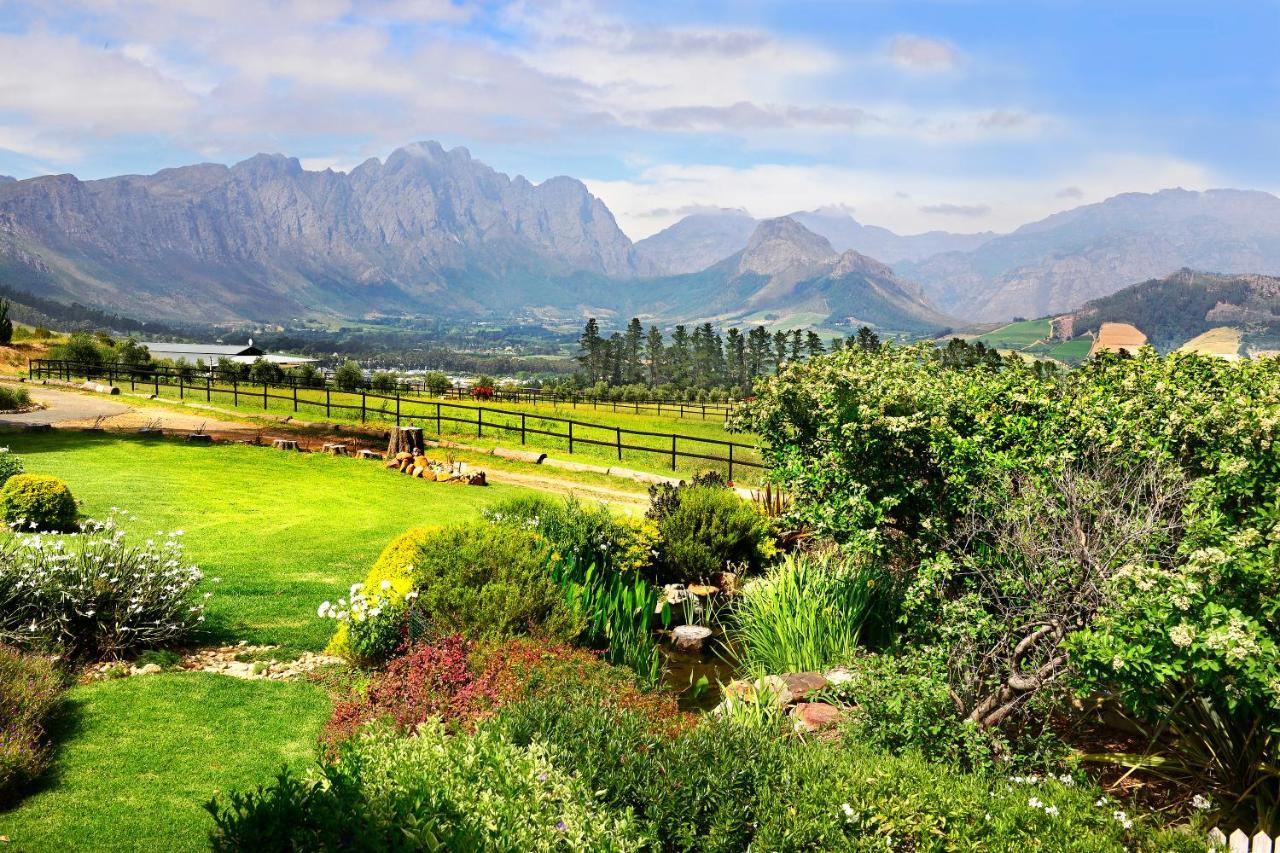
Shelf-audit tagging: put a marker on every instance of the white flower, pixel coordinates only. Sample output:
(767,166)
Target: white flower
(1034,802)
(386,585)
(1051,810)
(1200,801)
(324,610)
(848,812)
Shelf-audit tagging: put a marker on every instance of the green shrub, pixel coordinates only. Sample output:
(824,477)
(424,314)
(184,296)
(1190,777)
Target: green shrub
(429,792)
(12,399)
(589,536)
(902,703)
(485,583)
(348,376)
(30,689)
(38,502)
(805,614)
(704,530)
(10,464)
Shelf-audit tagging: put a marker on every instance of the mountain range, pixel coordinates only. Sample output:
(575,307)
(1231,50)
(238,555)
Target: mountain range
(435,231)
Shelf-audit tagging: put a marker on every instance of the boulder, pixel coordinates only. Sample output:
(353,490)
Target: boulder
(690,638)
(814,716)
(801,684)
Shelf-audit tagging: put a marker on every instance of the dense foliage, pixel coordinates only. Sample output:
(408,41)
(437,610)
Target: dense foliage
(94,595)
(38,502)
(30,689)
(10,464)
(1113,528)
(14,399)
(707,529)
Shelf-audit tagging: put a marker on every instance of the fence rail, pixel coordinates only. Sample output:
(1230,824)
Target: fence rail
(414,410)
(674,408)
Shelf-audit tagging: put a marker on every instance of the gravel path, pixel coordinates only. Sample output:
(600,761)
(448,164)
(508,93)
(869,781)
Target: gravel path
(63,407)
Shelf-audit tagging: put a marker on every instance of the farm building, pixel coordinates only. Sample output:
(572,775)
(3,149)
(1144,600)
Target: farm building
(209,354)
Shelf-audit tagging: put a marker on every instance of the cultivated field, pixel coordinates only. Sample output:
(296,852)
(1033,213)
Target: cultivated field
(1113,337)
(1222,341)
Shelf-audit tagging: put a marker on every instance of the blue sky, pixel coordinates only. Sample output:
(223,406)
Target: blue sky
(963,115)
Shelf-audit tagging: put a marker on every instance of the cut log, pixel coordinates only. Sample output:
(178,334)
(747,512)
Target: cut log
(406,440)
(284,444)
(366,453)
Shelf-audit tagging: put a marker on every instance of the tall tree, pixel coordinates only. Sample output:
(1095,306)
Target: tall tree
(654,357)
(757,352)
(779,349)
(6,324)
(681,359)
(867,340)
(617,349)
(632,367)
(735,360)
(797,344)
(813,344)
(591,352)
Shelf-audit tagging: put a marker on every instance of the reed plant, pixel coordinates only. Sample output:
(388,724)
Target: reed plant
(806,614)
(617,613)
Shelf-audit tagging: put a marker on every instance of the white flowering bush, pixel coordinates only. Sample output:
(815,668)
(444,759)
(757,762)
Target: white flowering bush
(372,622)
(92,595)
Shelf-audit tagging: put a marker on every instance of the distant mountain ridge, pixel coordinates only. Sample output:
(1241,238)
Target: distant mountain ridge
(1059,262)
(787,271)
(700,239)
(427,229)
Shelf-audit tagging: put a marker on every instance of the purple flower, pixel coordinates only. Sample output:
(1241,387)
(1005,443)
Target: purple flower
(561,826)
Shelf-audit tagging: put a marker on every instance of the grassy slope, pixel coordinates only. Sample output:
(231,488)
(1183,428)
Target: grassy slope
(1015,336)
(283,531)
(137,758)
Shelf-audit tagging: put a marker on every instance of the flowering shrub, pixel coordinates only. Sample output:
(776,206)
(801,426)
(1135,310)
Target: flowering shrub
(377,634)
(704,530)
(93,595)
(37,502)
(10,464)
(29,691)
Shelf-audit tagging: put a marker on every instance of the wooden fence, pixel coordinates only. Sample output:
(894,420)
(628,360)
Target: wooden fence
(1238,842)
(415,410)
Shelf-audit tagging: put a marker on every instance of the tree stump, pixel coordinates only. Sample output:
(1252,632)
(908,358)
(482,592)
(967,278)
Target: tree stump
(200,438)
(336,449)
(690,638)
(406,440)
(366,453)
(284,444)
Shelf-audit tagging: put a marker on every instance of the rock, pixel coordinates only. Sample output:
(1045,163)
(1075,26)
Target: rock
(149,669)
(727,582)
(200,438)
(801,684)
(702,590)
(690,638)
(772,688)
(839,675)
(814,716)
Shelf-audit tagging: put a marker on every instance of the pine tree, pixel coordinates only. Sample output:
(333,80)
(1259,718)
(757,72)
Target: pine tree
(632,367)
(654,357)
(867,340)
(757,352)
(797,344)
(735,359)
(813,344)
(779,349)
(591,355)
(681,359)
(617,349)
(6,324)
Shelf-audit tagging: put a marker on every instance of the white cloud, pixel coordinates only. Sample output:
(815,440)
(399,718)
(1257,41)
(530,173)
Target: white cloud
(922,53)
(904,201)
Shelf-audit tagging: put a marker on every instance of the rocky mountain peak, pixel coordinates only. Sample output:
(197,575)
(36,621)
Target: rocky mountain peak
(782,245)
(853,262)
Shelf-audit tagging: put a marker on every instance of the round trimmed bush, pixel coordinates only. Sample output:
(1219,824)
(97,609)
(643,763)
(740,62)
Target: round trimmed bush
(38,502)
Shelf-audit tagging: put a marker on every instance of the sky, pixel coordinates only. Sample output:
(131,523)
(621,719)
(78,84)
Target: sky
(959,115)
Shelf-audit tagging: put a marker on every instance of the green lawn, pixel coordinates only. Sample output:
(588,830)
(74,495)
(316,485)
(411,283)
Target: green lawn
(596,424)
(283,531)
(135,759)
(1015,336)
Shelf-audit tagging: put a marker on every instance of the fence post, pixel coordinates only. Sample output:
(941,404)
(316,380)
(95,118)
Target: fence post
(156,376)
(295,396)
(522,428)
(438,432)
(570,437)
(362,405)
(181,392)
(673,453)
(208,391)
(235,391)
(326,402)
(730,463)
(618,438)
(398,409)
(479,421)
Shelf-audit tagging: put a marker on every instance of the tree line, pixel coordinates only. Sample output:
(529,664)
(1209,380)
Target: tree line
(699,359)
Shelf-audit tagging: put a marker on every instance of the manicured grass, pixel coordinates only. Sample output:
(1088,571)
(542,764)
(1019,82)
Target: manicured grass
(1015,336)
(503,429)
(136,759)
(283,531)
